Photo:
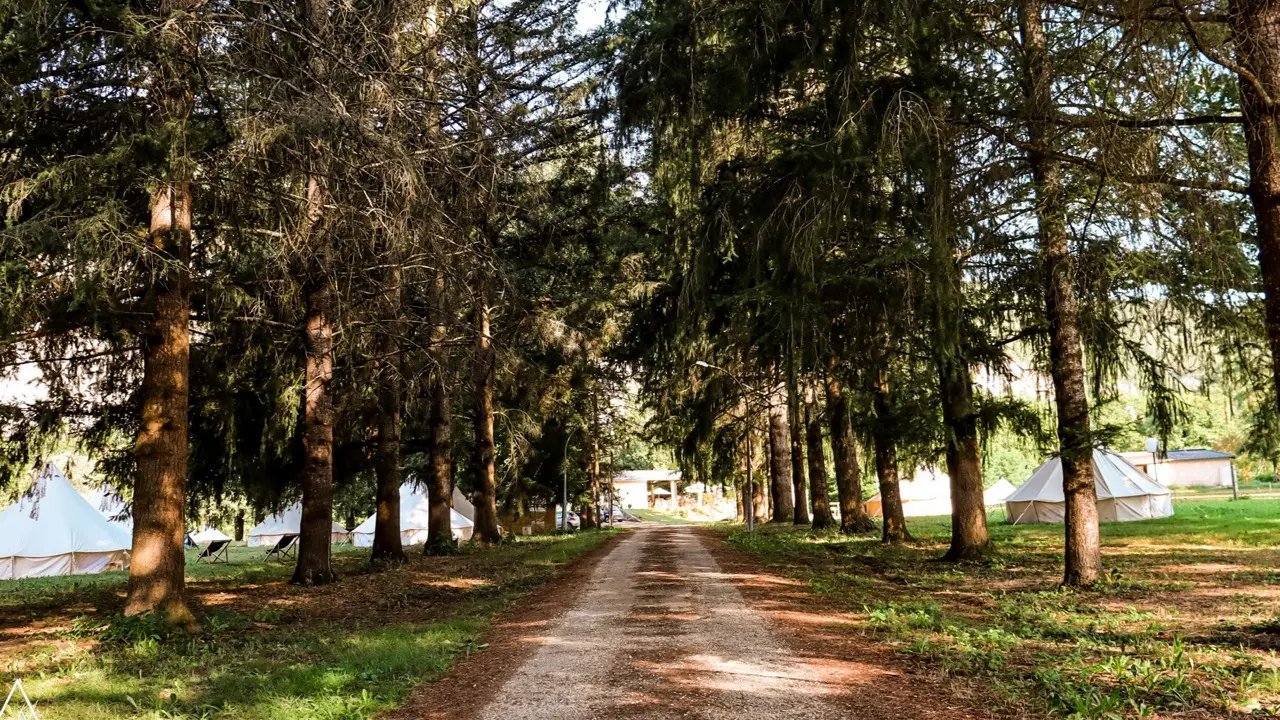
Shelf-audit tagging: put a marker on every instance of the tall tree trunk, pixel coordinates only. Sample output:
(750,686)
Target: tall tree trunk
(801,511)
(486,486)
(780,458)
(969,538)
(819,496)
(314,565)
(844,452)
(315,538)
(1255,32)
(439,431)
(237,534)
(591,514)
(157,567)
(386,529)
(883,435)
(1083,554)
(760,490)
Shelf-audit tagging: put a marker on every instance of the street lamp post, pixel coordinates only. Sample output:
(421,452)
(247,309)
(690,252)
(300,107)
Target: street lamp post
(750,501)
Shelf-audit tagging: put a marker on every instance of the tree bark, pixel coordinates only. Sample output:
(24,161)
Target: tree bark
(439,431)
(157,582)
(883,437)
(386,529)
(486,486)
(969,537)
(1255,31)
(760,490)
(780,489)
(801,511)
(157,563)
(591,514)
(853,511)
(819,495)
(1083,555)
(315,538)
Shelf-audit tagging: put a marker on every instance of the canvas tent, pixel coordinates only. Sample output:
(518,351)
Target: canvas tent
(998,493)
(107,501)
(929,493)
(463,505)
(208,535)
(1124,493)
(52,530)
(288,522)
(414,512)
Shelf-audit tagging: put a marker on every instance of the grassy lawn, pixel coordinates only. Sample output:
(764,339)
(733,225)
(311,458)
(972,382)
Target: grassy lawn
(658,516)
(1186,623)
(1246,488)
(268,651)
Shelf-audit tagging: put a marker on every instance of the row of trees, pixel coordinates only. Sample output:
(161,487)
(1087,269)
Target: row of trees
(873,201)
(261,249)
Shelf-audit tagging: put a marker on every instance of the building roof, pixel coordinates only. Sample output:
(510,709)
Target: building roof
(646,476)
(1183,455)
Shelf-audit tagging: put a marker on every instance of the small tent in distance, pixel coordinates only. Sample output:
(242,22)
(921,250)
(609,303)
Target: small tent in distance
(996,494)
(925,495)
(53,530)
(414,513)
(287,522)
(1124,493)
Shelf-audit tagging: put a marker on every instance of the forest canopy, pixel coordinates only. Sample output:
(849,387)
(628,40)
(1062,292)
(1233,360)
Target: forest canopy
(259,252)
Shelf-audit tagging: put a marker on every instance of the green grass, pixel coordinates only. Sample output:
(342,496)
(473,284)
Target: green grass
(1185,619)
(1246,488)
(658,516)
(267,651)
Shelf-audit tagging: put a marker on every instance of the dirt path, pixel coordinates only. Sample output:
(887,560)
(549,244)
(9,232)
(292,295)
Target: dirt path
(656,629)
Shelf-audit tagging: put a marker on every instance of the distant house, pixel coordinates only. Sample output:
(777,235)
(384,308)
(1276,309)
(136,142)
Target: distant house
(1186,468)
(635,488)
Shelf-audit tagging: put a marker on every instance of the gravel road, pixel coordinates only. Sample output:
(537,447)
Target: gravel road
(659,631)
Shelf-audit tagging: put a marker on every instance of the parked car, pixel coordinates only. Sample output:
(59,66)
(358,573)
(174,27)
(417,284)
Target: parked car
(575,523)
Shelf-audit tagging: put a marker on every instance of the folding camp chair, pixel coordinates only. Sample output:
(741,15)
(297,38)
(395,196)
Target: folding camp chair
(215,552)
(285,548)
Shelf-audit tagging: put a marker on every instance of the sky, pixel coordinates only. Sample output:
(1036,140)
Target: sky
(591,14)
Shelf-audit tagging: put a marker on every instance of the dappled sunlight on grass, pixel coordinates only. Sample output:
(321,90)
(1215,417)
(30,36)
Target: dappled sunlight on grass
(267,651)
(1172,627)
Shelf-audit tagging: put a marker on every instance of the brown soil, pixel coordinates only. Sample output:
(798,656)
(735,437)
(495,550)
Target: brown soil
(883,685)
(473,680)
(686,645)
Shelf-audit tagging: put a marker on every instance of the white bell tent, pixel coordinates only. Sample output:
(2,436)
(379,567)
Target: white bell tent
(414,512)
(925,495)
(287,522)
(107,501)
(1124,493)
(209,535)
(463,505)
(53,530)
(998,493)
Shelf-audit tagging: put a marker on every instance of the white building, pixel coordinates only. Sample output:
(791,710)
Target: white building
(634,488)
